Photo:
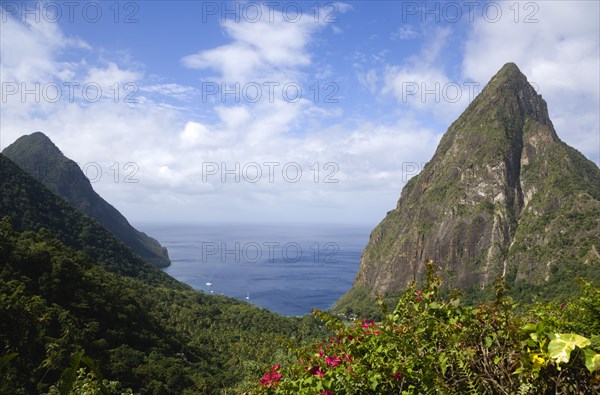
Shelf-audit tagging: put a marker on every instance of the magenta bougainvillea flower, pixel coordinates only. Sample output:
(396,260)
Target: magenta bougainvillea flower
(270,379)
(316,371)
(333,361)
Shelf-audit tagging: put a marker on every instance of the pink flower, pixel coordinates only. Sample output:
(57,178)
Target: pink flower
(270,379)
(316,371)
(419,298)
(326,392)
(397,375)
(333,361)
(366,324)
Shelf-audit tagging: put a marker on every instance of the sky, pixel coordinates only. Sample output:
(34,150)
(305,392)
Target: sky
(278,111)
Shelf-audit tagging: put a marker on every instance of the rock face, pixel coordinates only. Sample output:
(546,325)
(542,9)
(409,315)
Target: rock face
(38,156)
(502,195)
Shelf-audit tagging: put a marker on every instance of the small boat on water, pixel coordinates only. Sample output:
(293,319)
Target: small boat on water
(247,295)
(209,284)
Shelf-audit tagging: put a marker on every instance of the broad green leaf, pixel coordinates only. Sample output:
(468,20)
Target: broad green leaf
(561,346)
(592,360)
(534,336)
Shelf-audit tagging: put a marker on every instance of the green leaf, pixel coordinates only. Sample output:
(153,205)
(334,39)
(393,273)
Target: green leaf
(488,341)
(70,375)
(561,346)
(443,359)
(592,360)
(529,327)
(534,336)
(374,382)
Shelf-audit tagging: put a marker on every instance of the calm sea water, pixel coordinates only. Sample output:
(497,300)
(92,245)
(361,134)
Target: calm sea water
(287,269)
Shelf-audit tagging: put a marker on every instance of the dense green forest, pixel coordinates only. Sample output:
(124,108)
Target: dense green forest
(31,206)
(55,303)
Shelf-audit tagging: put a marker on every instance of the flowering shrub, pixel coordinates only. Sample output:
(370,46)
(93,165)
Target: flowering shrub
(271,378)
(433,344)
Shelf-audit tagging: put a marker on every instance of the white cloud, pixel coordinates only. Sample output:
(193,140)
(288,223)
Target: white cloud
(405,32)
(194,134)
(176,91)
(111,74)
(369,80)
(421,82)
(372,157)
(29,50)
(560,53)
(267,48)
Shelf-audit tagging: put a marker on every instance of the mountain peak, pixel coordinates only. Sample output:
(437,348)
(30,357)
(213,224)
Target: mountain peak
(495,200)
(38,156)
(37,143)
(509,97)
(510,70)
(509,76)
(39,135)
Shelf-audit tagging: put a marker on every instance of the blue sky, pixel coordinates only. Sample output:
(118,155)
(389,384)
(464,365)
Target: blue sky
(354,96)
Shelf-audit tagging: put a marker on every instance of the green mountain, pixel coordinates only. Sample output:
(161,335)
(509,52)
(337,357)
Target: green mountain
(38,156)
(31,206)
(502,195)
(78,308)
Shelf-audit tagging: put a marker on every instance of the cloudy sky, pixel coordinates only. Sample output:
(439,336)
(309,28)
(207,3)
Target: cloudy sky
(281,111)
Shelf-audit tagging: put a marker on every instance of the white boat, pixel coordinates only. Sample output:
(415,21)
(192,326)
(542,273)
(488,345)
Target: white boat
(248,296)
(209,284)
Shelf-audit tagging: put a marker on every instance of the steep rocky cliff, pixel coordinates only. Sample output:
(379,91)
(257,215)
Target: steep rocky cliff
(502,195)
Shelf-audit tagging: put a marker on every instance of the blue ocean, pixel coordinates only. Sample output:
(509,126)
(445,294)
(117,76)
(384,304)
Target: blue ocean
(288,269)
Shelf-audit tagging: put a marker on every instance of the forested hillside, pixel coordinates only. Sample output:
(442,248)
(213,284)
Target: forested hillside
(40,158)
(71,294)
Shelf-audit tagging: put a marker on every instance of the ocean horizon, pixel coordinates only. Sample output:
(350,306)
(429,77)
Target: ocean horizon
(288,269)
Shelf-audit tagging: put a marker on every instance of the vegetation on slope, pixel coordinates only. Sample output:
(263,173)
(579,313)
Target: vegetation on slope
(40,158)
(432,344)
(61,313)
(31,206)
(79,308)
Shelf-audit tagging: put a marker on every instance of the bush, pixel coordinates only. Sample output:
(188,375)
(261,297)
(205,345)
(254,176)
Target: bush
(433,344)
